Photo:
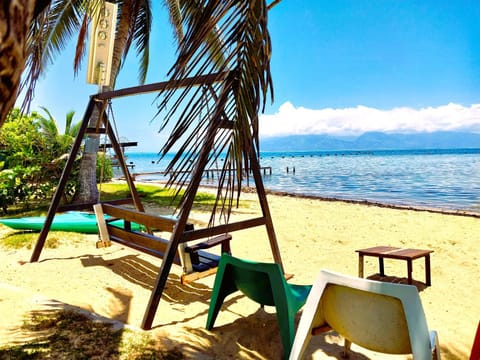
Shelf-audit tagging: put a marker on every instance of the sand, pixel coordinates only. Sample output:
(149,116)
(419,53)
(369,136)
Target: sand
(116,282)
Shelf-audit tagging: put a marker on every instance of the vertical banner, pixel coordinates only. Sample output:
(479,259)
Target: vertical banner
(102,36)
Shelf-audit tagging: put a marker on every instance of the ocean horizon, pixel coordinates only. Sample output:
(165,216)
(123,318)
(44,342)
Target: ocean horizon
(443,179)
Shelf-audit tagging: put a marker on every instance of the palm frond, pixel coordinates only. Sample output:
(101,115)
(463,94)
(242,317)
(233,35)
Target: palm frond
(81,44)
(50,33)
(48,125)
(34,63)
(143,25)
(126,26)
(234,102)
(176,19)
(68,123)
(134,23)
(273,3)
(74,130)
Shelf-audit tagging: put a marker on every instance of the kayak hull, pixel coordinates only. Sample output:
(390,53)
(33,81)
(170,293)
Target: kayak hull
(73,221)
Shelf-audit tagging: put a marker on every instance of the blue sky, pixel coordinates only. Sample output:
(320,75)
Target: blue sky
(340,67)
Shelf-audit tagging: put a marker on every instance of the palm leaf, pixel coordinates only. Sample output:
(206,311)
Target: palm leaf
(233,102)
(50,33)
(141,36)
(48,125)
(176,19)
(134,23)
(81,44)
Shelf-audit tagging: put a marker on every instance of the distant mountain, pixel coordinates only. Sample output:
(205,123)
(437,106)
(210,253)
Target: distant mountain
(372,141)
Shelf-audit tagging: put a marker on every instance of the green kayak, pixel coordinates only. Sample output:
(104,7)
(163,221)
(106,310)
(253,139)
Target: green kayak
(75,221)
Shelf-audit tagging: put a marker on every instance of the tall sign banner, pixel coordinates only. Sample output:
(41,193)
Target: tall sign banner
(102,36)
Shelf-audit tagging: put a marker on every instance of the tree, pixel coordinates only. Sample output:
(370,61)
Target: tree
(33,158)
(228,36)
(133,26)
(237,99)
(15,20)
(51,32)
(62,143)
(49,127)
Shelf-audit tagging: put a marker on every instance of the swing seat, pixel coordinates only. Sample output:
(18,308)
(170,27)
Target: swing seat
(196,262)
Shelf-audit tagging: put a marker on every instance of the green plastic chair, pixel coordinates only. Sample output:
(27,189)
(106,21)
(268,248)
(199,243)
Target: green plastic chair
(263,283)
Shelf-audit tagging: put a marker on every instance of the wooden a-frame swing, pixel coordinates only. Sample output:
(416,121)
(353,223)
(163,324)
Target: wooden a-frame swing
(181,231)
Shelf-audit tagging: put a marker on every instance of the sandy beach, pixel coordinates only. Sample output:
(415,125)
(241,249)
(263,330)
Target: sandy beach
(116,282)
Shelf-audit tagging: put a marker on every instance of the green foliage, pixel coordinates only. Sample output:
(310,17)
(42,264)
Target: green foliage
(33,155)
(104,168)
(25,164)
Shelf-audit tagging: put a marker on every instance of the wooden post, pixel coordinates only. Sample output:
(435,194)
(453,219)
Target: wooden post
(360,265)
(121,161)
(174,242)
(62,183)
(262,197)
(68,169)
(104,237)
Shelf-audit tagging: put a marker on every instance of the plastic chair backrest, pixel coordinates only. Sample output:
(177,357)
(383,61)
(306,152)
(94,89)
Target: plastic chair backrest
(255,280)
(366,312)
(263,283)
(383,324)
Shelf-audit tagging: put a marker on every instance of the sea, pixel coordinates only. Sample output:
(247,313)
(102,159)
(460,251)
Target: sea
(443,179)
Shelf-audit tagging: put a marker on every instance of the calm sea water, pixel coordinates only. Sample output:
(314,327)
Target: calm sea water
(445,179)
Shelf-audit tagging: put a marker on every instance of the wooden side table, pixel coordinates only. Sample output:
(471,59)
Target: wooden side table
(391,252)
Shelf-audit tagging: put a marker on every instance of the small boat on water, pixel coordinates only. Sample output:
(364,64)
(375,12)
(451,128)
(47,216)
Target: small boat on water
(74,221)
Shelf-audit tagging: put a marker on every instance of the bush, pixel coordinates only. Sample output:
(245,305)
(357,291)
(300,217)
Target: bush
(33,155)
(26,170)
(104,168)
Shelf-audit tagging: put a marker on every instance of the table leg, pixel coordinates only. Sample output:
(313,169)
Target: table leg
(428,280)
(409,271)
(360,265)
(380,264)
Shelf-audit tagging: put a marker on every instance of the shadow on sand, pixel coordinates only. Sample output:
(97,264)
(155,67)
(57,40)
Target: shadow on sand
(255,336)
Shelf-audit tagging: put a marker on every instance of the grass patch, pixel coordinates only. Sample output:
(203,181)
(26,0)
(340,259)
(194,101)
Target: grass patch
(18,240)
(67,334)
(161,196)
(149,194)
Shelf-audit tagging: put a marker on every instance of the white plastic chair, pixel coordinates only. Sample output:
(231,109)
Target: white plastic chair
(379,316)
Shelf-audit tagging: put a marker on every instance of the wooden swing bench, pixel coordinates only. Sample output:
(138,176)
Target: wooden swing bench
(196,262)
(186,246)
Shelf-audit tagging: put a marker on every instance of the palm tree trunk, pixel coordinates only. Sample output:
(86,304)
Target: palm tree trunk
(88,191)
(87,175)
(15,19)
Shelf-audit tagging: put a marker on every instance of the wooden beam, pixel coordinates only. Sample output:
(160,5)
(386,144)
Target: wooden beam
(177,235)
(222,229)
(122,144)
(262,197)
(89,205)
(160,223)
(161,86)
(144,242)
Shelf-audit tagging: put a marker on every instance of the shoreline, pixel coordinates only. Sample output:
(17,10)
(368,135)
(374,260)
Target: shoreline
(445,211)
(252,190)
(436,179)
(312,234)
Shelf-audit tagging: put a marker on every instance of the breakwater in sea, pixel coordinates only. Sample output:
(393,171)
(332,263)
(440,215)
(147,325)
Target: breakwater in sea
(433,178)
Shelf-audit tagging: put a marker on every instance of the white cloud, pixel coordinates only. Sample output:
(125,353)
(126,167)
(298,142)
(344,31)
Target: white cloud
(291,120)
